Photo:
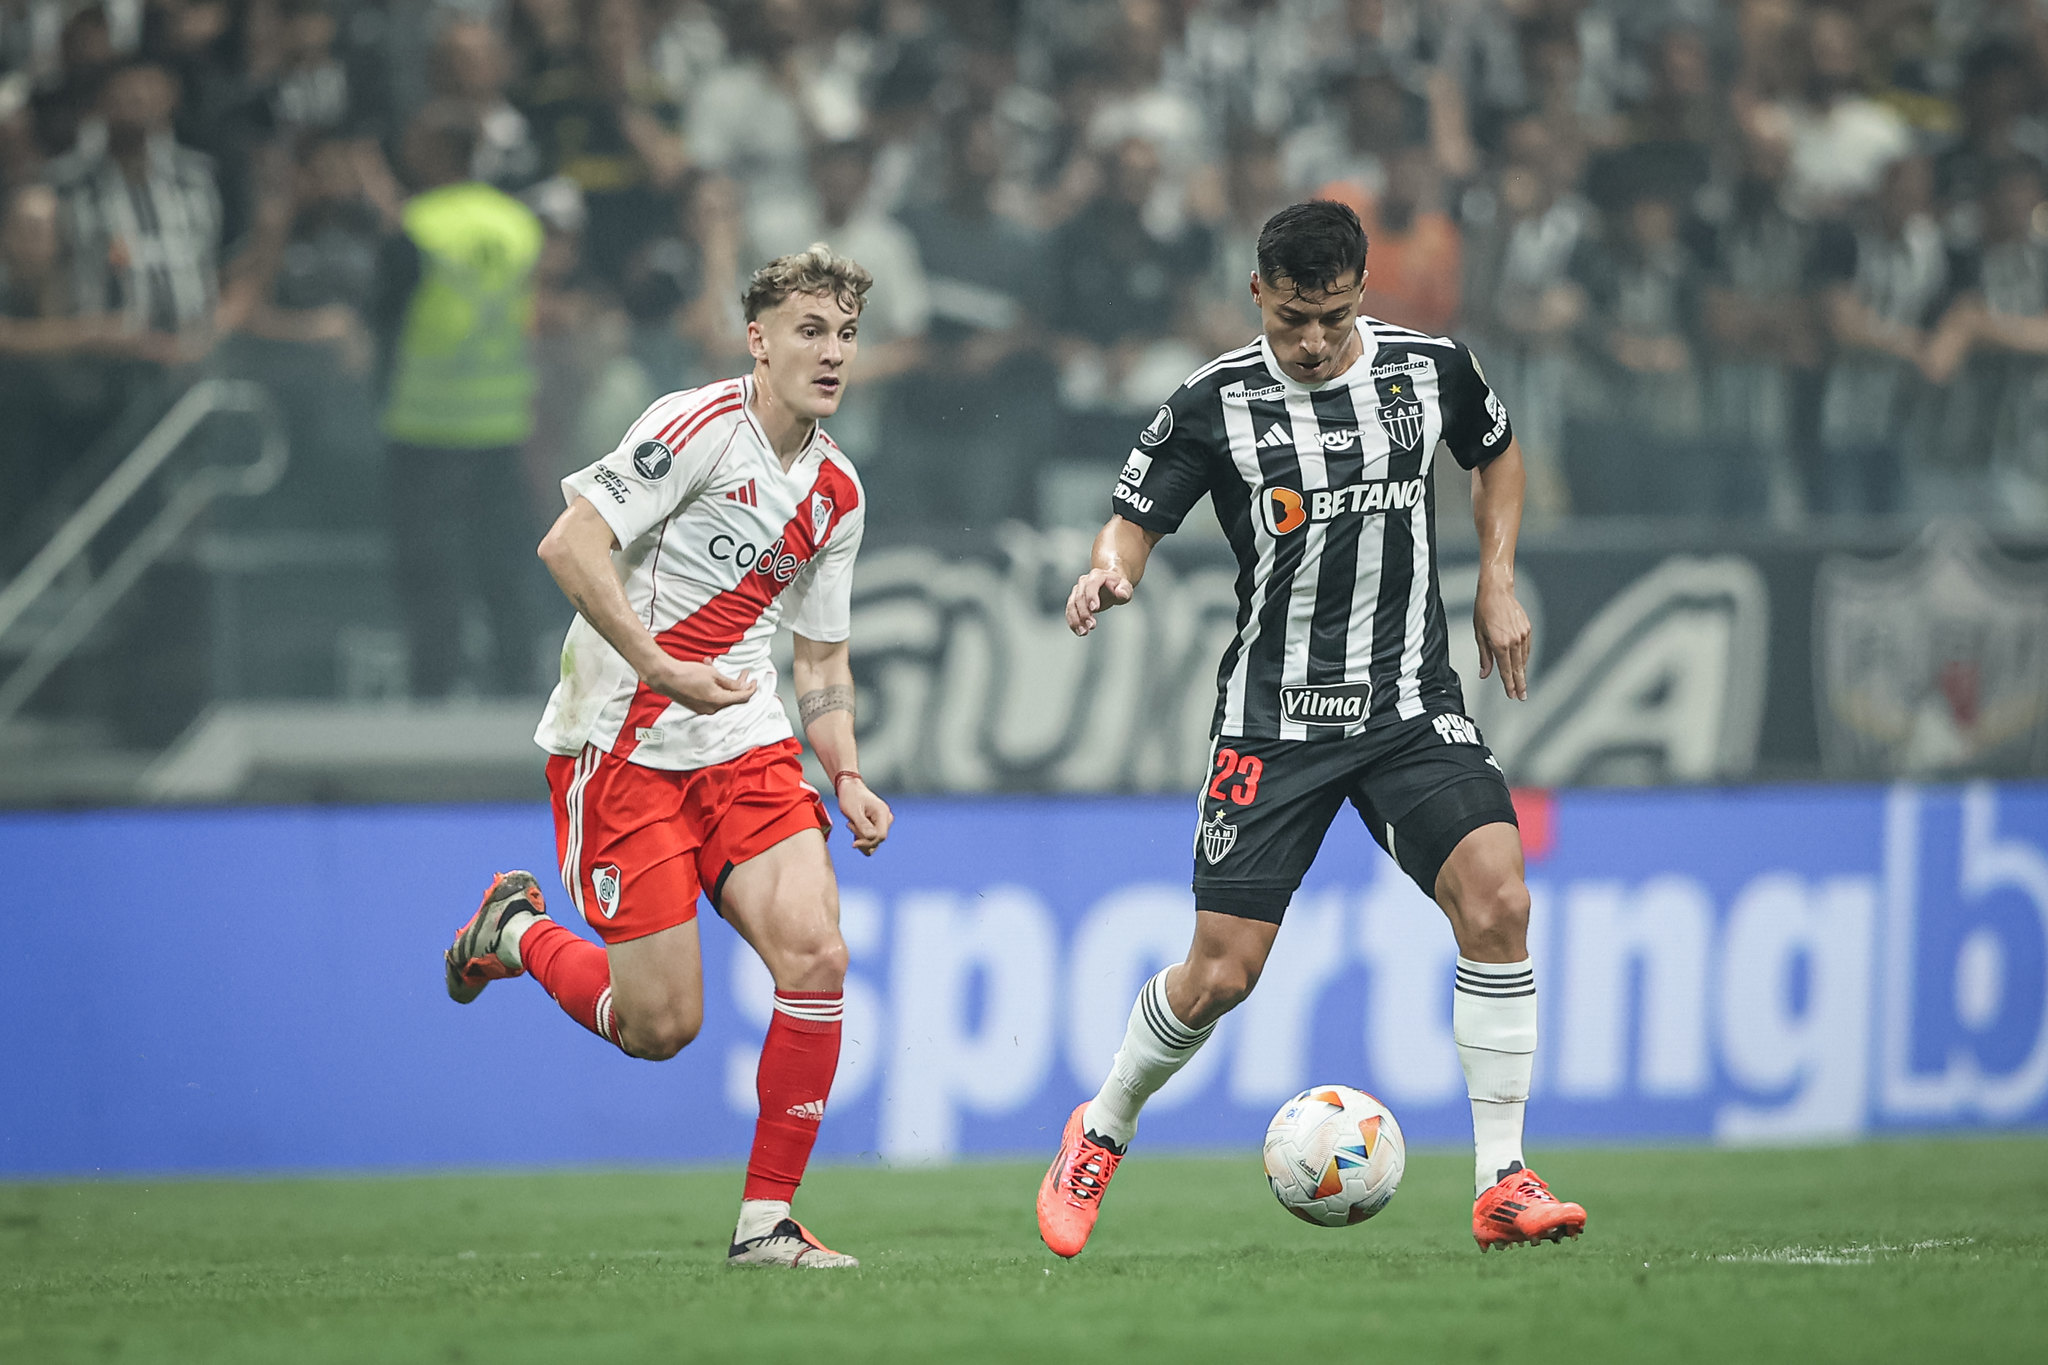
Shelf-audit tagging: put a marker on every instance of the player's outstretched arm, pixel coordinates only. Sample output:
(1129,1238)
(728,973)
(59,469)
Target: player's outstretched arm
(578,552)
(1497,618)
(824,701)
(1121,549)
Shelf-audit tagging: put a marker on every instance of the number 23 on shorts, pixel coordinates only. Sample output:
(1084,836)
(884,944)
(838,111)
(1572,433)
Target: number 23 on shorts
(1246,768)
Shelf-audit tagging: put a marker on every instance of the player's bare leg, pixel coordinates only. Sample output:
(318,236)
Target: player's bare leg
(1493,1019)
(657,992)
(785,903)
(1175,1013)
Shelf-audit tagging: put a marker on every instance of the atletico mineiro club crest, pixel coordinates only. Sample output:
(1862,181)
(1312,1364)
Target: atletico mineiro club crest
(1219,836)
(1401,417)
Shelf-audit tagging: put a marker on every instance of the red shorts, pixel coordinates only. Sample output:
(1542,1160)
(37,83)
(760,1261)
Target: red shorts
(638,844)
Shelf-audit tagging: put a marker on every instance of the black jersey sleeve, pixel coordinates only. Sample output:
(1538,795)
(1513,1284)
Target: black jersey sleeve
(1476,426)
(1170,467)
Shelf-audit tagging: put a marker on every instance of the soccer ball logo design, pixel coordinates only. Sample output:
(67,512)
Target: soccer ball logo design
(1334,1156)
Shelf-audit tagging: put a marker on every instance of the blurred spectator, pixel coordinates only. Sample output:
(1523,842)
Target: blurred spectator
(1533,304)
(1639,453)
(1252,194)
(68,107)
(604,122)
(308,84)
(755,119)
(1116,299)
(472,66)
(892,325)
(2001,328)
(1413,257)
(1884,283)
(454,306)
(1763,339)
(1999,98)
(1371,119)
(1842,140)
(1683,122)
(1141,100)
(972,415)
(54,401)
(142,214)
(314,260)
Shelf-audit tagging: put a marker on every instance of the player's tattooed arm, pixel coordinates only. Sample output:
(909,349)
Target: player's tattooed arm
(813,704)
(824,688)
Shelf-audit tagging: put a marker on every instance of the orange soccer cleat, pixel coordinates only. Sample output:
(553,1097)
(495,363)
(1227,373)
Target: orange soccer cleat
(1521,1209)
(480,953)
(1070,1196)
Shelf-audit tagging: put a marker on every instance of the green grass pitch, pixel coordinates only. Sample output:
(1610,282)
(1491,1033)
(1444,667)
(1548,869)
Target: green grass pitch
(1890,1251)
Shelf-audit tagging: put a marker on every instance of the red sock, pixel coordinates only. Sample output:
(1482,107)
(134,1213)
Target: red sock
(575,972)
(797,1063)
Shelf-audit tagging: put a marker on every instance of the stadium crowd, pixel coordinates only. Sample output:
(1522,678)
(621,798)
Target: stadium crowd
(1761,259)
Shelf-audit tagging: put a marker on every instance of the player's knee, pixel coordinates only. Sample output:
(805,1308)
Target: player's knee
(817,963)
(1221,985)
(663,1036)
(1494,916)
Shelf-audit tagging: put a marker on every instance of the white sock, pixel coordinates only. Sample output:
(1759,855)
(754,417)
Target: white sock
(758,1218)
(1493,1019)
(508,942)
(1156,1044)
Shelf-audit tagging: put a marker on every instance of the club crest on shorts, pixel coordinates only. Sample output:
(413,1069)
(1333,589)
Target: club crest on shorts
(821,515)
(653,460)
(1219,836)
(605,882)
(1401,416)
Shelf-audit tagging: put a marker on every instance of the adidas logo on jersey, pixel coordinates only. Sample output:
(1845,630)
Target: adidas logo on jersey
(1276,435)
(745,493)
(814,1110)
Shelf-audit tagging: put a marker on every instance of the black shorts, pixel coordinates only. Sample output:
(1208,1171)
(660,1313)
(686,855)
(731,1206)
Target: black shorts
(1420,785)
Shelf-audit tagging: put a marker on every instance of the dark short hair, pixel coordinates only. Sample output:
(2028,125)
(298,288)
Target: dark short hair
(1311,246)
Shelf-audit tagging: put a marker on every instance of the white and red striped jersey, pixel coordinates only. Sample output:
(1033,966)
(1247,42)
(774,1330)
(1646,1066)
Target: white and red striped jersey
(717,544)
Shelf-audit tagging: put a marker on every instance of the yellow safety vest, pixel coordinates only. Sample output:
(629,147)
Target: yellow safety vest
(462,376)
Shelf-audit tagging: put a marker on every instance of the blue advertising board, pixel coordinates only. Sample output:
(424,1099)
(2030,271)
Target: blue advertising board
(243,990)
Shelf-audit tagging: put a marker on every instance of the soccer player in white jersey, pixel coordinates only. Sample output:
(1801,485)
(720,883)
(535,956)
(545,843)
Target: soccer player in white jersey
(1315,443)
(673,768)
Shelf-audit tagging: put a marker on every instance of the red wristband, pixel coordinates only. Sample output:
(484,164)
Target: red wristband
(842,775)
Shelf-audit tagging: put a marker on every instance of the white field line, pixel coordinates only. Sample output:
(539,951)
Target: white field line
(1863,1254)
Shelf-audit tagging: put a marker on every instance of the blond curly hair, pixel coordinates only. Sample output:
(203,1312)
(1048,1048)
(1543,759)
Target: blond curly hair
(817,269)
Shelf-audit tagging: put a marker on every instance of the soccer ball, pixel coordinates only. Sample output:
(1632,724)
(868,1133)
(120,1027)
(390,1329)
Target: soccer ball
(1334,1155)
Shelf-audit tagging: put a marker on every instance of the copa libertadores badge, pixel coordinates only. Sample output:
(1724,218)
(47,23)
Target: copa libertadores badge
(652,459)
(1219,836)
(1159,428)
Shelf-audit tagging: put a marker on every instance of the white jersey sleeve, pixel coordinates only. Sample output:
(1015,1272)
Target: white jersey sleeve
(824,611)
(659,464)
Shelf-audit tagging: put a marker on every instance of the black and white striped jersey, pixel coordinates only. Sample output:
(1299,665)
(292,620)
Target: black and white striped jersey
(1325,495)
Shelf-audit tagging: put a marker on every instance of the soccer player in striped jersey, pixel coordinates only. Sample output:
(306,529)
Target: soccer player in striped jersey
(1315,443)
(673,768)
